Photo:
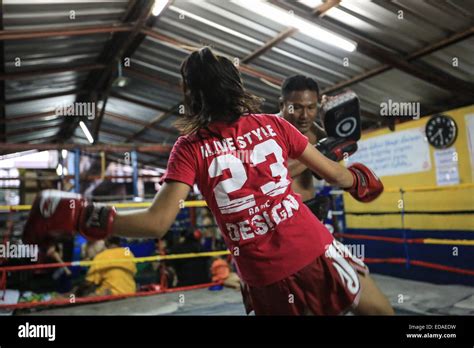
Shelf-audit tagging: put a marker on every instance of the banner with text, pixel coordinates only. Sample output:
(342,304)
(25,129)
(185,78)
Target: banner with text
(403,152)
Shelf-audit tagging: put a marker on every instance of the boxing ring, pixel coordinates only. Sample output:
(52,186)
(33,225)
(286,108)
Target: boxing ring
(421,299)
(418,297)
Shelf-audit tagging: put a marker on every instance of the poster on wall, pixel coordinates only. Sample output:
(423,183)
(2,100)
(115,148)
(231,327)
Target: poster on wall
(470,139)
(403,152)
(446,165)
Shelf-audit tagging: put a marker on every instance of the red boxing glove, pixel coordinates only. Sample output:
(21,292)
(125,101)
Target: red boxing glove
(367,186)
(97,221)
(57,214)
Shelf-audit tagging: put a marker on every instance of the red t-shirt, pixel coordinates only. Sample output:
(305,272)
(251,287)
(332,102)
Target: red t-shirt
(244,179)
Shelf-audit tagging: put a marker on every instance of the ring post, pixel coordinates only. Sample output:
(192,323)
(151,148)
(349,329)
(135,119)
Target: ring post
(135,173)
(77,167)
(404,232)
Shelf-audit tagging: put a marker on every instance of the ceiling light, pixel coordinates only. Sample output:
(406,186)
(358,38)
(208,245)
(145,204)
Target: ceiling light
(86,132)
(158,7)
(59,169)
(281,16)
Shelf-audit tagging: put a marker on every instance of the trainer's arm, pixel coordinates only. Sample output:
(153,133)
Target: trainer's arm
(156,220)
(332,172)
(295,167)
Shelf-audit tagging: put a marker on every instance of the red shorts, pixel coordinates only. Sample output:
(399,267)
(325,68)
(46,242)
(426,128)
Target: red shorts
(328,286)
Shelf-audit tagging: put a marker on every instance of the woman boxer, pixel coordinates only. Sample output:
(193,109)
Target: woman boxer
(238,159)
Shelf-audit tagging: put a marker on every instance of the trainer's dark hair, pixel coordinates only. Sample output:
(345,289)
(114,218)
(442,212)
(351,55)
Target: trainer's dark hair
(213,91)
(298,83)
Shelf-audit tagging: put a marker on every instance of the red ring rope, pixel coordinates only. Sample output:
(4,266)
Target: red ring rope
(39,266)
(421,264)
(92,299)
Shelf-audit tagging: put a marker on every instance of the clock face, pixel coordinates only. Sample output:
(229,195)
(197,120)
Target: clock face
(441,131)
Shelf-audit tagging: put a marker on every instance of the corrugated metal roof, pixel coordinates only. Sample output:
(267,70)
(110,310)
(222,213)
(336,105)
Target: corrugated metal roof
(53,52)
(19,14)
(457,60)
(31,86)
(32,55)
(235,32)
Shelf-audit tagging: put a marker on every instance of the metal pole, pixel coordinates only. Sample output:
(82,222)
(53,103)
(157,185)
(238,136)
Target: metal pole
(135,173)
(63,165)
(404,232)
(77,167)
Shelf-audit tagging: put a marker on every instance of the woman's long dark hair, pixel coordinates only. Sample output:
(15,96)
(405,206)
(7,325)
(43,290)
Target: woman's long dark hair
(213,91)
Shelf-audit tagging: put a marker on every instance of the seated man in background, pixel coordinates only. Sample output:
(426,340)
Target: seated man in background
(61,276)
(91,248)
(190,271)
(116,278)
(221,272)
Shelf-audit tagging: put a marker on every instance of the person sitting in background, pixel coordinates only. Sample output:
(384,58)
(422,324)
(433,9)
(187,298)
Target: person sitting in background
(222,272)
(91,248)
(194,270)
(212,238)
(114,278)
(62,275)
(209,239)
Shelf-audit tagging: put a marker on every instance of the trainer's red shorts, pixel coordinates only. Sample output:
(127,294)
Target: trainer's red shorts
(328,286)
